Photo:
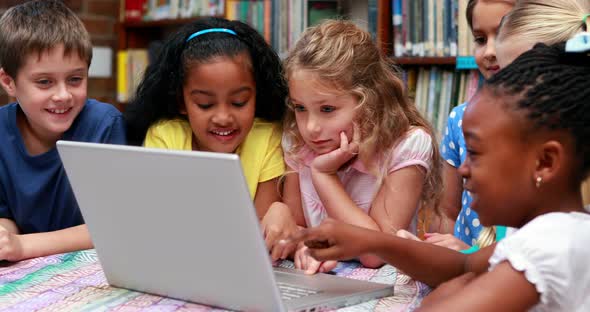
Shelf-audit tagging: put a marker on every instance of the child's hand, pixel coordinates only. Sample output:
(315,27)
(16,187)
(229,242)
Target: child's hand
(304,261)
(332,161)
(407,235)
(445,240)
(10,246)
(334,240)
(277,225)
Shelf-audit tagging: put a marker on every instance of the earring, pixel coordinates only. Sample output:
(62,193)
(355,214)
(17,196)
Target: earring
(538,181)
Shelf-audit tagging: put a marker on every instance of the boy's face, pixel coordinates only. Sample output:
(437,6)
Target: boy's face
(321,115)
(51,89)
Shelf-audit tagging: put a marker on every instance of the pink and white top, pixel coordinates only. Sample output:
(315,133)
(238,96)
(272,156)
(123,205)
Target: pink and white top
(414,150)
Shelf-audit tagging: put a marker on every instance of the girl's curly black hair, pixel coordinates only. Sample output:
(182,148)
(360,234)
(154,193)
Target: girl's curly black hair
(159,95)
(553,88)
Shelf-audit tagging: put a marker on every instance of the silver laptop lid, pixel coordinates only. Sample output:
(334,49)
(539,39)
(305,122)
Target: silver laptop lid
(144,210)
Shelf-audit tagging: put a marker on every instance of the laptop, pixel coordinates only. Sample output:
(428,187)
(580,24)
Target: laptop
(181,224)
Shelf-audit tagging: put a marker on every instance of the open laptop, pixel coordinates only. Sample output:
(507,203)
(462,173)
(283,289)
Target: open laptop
(182,224)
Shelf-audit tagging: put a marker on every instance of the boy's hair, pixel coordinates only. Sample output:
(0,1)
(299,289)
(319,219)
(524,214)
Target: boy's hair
(37,26)
(345,59)
(159,95)
(552,87)
(544,21)
(471,5)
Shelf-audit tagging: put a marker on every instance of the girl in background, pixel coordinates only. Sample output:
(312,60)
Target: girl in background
(483,18)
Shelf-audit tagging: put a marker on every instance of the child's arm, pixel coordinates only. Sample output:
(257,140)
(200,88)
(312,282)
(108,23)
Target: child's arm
(451,200)
(502,289)
(338,203)
(15,247)
(425,262)
(9,226)
(397,199)
(267,193)
(334,197)
(450,207)
(284,218)
(292,196)
(395,204)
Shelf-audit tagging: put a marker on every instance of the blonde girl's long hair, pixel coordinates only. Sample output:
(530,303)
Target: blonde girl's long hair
(346,60)
(487,236)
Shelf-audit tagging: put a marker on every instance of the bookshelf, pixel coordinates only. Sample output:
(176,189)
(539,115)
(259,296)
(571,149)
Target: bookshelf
(281,22)
(431,42)
(422,36)
(144,23)
(425,61)
(138,34)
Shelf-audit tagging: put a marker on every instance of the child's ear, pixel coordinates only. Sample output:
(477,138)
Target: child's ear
(550,160)
(7,83)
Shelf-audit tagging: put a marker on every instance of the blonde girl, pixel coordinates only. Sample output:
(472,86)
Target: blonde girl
(359,150)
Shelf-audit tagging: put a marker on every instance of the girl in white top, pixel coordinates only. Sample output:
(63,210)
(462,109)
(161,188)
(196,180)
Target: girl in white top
(358,149)
(527,134)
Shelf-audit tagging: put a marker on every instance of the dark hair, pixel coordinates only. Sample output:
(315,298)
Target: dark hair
(159,95)
(469,12)
(37,26)
(553,87)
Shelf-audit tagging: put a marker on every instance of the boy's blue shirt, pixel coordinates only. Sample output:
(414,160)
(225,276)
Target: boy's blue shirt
(34,190)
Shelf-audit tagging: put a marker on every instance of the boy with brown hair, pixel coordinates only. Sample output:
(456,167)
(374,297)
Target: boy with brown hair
(45,53)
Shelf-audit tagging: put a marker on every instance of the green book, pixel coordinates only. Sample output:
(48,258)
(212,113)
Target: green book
(321,10)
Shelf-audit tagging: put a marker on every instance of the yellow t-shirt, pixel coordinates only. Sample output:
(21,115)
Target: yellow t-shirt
(261,154)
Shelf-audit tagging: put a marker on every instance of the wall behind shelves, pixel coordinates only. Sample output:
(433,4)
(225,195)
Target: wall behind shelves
(100,17)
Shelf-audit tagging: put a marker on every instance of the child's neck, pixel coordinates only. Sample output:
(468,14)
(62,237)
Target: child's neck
(35,142)
(559,201)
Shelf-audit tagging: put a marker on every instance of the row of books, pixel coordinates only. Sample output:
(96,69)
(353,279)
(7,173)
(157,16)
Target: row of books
(430,28)
(292,17)
(256,13)
(420,27)
(131,65)
(147,10)
(436,90)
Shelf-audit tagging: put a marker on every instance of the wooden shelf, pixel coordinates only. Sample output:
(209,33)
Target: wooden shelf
(161,23)
(424,60)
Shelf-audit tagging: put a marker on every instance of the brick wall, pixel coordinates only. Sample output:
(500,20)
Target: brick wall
(100,17)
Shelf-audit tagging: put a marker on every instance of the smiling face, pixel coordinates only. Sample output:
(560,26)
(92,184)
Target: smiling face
(499,182)
(219,101)
(487,16)
(51,90)
(320,115)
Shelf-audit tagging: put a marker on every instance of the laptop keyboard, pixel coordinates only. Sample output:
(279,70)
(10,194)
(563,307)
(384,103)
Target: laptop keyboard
(289,291)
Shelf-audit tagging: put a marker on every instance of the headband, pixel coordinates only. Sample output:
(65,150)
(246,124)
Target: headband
(211,30)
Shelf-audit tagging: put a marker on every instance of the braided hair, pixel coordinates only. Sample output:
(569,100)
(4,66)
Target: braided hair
(553,87)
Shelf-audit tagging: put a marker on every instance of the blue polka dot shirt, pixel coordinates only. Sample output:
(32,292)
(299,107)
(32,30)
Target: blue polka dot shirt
(453,150)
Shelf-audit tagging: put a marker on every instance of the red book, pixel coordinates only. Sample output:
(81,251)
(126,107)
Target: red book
(134,10)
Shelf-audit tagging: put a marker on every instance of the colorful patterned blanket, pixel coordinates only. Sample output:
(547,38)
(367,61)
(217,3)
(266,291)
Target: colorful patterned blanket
(75,282)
